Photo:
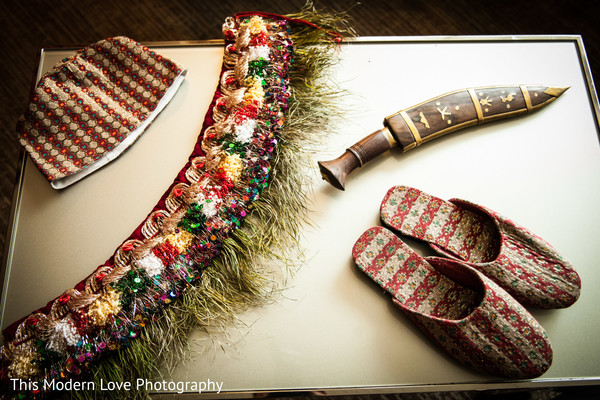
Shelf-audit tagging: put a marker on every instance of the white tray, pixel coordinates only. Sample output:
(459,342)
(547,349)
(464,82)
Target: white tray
(333,330)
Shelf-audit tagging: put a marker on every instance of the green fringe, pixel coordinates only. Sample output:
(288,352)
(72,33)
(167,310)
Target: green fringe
(238,279)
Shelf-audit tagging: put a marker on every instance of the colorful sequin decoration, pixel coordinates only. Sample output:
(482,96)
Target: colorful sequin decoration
(186,231)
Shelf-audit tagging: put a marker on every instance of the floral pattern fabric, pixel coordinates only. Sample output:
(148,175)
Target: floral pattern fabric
(525,265)
(465,313)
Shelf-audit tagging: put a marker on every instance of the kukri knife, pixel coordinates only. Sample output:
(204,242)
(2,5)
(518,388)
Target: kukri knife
(447,113)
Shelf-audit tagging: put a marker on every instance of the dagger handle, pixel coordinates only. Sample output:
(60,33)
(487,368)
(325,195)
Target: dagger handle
(336,171)
(447,113)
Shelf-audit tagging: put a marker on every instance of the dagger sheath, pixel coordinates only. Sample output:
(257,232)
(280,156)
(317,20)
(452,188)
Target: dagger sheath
(433,118)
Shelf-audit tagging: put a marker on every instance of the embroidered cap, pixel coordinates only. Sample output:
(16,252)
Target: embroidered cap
(92,106)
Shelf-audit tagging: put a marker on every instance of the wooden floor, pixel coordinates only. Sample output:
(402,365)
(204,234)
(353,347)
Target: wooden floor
(27,26)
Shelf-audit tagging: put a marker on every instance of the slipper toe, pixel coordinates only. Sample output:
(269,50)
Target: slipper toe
(462,311)
(523,264)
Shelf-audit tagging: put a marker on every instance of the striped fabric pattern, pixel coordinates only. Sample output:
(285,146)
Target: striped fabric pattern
(89,103)
(523,264)
(465,313)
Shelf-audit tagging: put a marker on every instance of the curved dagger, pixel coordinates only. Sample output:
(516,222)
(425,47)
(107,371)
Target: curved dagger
(447,113)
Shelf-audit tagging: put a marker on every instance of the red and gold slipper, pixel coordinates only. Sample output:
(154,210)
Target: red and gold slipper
(464,312)
(522,263)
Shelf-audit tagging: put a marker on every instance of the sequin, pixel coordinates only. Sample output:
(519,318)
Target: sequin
(241,144)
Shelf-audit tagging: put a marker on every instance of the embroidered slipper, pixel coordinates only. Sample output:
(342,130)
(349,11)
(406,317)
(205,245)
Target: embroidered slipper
(522,263)
(465,313)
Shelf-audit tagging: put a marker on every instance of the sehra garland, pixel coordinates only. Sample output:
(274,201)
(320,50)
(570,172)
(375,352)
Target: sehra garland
(193,260)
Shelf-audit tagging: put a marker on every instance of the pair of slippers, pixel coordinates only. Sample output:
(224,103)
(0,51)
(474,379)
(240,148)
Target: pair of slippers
(470,301)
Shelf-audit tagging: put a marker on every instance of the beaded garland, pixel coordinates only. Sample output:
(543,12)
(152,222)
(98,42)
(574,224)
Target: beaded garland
(226,174)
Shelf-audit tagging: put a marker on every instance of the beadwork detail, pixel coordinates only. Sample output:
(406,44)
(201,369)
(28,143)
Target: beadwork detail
(90,103)
(187,228)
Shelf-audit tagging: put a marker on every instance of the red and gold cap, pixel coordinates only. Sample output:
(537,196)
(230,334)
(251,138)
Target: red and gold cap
(90,107)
